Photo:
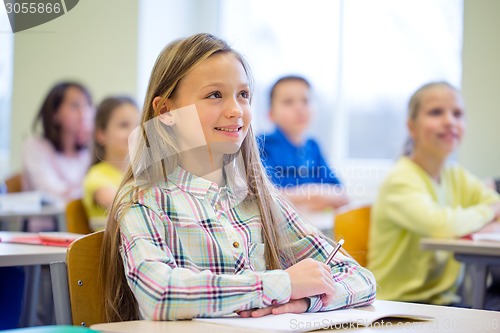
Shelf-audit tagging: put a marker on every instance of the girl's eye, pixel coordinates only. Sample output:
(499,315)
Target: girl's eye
(244,94)
(436,112)
(458,114)
(215,94)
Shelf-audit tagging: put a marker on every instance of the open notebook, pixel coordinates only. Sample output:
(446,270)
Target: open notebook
(492,236)
(305,322)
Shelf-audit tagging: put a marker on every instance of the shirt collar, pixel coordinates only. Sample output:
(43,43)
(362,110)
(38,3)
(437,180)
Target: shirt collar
(187,182)
(283,138)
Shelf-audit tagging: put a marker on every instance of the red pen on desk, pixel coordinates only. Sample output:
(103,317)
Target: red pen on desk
(334,252)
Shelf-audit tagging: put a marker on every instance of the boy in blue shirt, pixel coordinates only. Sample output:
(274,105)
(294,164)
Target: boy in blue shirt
(293,161)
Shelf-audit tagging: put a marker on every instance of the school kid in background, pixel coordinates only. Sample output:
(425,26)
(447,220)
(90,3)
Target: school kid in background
(200,232)
(426,196)
(56,162)
(53,163)
(115,119)
(292,159)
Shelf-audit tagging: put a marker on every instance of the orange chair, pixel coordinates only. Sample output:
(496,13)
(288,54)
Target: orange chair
(14,183)
(76,218)
(353,226)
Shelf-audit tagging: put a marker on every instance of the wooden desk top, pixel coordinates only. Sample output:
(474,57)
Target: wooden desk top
(447,319)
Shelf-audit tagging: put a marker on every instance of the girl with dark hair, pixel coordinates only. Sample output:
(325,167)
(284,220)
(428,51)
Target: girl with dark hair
(56,162)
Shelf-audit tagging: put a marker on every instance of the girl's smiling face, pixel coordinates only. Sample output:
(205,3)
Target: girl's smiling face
(219,88)
(439,124)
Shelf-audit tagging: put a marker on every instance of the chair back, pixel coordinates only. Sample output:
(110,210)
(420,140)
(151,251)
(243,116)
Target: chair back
(76,218)
(353,226)
(85,288)
(14,183)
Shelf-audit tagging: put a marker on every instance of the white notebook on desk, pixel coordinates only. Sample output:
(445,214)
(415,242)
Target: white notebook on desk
(491,236)
(304,322)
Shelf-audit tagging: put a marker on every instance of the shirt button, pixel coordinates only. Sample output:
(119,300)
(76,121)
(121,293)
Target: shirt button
(236,245)
(274,301)
(218,206)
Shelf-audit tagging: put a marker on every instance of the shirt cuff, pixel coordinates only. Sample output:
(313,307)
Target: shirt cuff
(316,304)
(276,288)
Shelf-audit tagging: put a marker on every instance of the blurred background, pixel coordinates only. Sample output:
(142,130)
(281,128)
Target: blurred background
(364,58)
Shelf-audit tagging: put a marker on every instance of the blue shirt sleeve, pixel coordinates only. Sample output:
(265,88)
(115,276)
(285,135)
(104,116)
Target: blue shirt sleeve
(326,175)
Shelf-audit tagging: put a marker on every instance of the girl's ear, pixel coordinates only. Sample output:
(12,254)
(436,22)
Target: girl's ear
(270,114)
(100,136)
(157,107)
(410,124)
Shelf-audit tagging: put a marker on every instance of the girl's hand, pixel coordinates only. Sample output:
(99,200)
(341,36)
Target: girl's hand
(292,306)
(310,277)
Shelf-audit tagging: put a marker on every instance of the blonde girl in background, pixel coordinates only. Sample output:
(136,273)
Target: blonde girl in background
(426,196)
(196,229)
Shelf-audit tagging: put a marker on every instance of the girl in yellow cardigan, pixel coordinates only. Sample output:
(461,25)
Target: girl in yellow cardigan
(424,196)
(116,118)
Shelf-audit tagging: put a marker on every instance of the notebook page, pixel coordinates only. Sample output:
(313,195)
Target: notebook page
(305,322)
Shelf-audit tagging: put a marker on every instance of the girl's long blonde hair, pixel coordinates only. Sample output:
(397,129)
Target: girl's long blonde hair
(173,64)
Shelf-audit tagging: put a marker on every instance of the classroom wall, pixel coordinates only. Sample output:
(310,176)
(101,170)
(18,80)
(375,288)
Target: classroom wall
(480,151)
(95,43)
(40,60)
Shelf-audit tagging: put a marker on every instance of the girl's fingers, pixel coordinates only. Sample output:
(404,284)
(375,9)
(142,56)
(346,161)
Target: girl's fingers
(262,312)
(298,306)
(245,313)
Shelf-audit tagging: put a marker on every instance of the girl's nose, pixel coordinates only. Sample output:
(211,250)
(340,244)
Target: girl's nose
(448,118)
(233,109)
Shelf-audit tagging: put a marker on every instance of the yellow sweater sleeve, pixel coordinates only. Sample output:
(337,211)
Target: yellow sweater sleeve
(411,202)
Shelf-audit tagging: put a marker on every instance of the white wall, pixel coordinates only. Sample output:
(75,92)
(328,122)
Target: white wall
(480,152)
(98,44)
(94,43)
(162,21)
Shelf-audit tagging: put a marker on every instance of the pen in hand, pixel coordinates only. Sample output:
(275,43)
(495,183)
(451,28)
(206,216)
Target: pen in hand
(335,250)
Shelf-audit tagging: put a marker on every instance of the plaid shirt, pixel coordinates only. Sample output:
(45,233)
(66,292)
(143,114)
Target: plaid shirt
(188,254)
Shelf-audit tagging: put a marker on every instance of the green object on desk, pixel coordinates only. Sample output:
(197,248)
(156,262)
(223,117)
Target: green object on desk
(52,329)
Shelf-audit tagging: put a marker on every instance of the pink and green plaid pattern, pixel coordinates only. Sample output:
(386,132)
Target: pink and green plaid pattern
(188,253)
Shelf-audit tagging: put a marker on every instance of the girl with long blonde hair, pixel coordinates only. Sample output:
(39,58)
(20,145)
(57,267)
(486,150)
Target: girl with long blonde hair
(427,196)
(196,229)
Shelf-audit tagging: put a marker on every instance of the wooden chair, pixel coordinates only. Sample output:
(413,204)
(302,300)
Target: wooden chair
(353,226)
(14,183)
(76,218)
(76,284)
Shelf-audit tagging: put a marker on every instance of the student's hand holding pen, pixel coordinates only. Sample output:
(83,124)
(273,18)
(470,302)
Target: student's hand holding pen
(308,277)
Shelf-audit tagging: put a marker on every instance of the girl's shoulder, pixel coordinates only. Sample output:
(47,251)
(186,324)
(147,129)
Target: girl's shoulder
(38,144)
(150,196)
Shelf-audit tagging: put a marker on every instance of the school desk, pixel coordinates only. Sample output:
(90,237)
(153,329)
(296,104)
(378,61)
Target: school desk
(49,210)
(31,256)
(478,255)
(446,319)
